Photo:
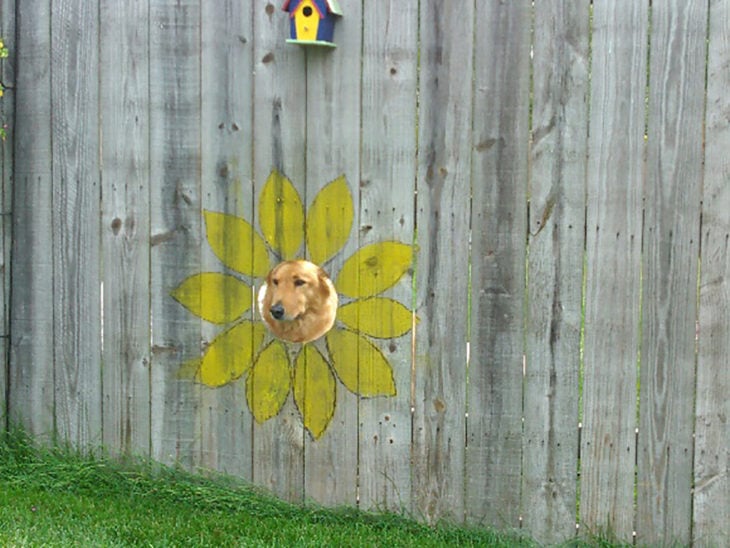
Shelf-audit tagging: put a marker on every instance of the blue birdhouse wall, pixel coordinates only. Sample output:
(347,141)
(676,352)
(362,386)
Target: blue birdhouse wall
(312,22)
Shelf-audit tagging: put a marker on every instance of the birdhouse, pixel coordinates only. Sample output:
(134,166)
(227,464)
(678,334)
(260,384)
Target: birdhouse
(312,22)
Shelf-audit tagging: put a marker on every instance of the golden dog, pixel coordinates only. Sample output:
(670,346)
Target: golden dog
(298,302)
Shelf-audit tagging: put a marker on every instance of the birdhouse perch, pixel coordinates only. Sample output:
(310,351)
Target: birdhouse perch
(312,22)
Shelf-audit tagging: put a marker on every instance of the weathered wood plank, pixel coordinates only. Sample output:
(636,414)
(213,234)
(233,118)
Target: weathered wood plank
(669,266)
(7,117)
(555,268)
(31,400)
(125,226)
(388,174)
(498,220)
(280,108)
(711,518)
(175,225)
(444,186)
(227,141)
(613,277)
(333,119)
(76,212)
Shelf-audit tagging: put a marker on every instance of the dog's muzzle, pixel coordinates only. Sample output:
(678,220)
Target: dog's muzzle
(277,311)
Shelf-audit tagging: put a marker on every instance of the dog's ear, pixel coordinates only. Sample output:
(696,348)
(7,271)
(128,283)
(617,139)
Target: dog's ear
(324,286)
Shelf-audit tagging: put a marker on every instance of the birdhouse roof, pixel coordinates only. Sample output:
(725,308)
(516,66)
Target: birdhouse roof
(331,6)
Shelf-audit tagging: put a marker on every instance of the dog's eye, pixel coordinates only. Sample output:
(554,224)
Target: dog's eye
(299,282)
(275,282)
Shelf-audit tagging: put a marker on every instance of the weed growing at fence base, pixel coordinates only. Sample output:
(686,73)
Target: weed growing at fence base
(59,498)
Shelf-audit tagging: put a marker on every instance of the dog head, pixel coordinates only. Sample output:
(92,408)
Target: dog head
(298,302)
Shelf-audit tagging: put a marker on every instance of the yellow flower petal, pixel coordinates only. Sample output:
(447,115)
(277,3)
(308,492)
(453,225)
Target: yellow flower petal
(360,365)
(217,298)
(329,220)
(374,268)
(230,355)
(314,391)
(236,244)
(378,317)
(268,383)
(281,215)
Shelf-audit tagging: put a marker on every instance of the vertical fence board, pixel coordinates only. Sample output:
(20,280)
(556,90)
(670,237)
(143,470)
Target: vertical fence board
(31,354)
(712,427)
(613,247)
(124,97)
(555,268)
(671,247)
(76,203)
(499,208)
(227,141)
(7,117)
(333,118)
(175,221)
(280,106)
(444,187)
(387,183)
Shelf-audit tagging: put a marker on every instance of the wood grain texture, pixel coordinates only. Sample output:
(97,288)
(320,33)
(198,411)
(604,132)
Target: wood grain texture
(387,181)
(333,122)
(444,186)
(227,142)
(711,507)
(671,251)
(76,214)
(31,398)
(613,261)
(555,268)
(280,107)
(175,224)
(498,220)
(7,115)
(125,219)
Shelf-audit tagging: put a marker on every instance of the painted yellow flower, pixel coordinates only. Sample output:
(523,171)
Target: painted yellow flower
(309,372)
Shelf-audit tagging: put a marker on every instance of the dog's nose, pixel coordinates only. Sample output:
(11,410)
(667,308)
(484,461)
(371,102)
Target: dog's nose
(277,311)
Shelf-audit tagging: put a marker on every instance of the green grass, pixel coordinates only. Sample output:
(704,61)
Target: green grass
(58,497)
(55,497)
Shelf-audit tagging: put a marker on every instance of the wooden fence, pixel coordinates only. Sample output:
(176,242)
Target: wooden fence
(545,186)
